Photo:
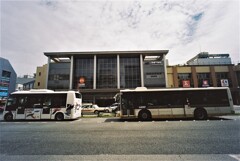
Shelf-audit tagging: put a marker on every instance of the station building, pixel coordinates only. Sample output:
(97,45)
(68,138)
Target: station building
(100,75)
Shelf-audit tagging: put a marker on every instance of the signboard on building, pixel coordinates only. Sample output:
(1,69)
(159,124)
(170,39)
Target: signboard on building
(186,83)
(81,82)
(153,75)
(205,83)
(224,83)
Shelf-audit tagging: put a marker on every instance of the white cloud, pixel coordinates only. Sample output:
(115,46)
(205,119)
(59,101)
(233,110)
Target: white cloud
(185,28)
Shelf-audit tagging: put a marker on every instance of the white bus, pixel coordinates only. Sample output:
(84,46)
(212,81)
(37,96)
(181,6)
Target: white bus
(43,104)
(198,103)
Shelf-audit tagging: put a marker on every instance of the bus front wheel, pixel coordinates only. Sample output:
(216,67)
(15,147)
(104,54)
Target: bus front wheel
(59,117)
(8,117)
(200,114)
(144,115)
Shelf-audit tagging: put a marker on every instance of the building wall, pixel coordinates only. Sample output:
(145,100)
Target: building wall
(154,74)
(8,78)
(197,75)
(203,72)
(41,75)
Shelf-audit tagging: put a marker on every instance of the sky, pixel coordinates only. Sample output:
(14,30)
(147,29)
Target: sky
(184,27)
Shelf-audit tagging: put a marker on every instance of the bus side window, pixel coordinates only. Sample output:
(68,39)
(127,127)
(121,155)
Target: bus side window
(59,101)
(47,101)
(11,104)
(34,101)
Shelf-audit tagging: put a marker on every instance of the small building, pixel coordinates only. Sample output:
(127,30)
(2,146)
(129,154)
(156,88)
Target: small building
(204,58)
(7,78)
(41,75)
(25,83)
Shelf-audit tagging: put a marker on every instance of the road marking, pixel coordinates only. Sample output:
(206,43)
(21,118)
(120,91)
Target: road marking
(235,156)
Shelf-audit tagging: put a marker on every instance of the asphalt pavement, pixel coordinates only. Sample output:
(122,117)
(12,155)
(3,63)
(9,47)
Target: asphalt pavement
(104,139)
(114,139)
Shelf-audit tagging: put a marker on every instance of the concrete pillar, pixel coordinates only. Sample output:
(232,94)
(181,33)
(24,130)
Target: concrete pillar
(71,74)
(95,72)
(175,77)
(213,76)
(118,72)
(165,70)
(194,76)
(47,74)
(141,70)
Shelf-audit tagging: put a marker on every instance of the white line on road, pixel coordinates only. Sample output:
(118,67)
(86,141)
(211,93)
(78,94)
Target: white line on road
(235,156)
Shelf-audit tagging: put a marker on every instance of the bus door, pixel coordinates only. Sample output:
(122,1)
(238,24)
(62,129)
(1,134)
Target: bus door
(34,107)
(46,108)
(127,106)
(20,112)
(21,105)
(180,105)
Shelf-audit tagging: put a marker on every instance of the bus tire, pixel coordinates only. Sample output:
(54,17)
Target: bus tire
(59,117)
(144,115)
(200,114)
(8,117)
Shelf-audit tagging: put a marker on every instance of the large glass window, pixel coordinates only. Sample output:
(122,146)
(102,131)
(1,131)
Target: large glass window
(58,76)
(83,74)
(107,72)
(130,72)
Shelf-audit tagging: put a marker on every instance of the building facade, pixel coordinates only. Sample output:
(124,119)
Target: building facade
(205,76)
(41,75)
(100,75)
(7,78)
(25,83)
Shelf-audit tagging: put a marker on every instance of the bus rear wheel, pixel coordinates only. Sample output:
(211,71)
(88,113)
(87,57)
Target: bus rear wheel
(59,117)
(8,117)
(144,115)
(200,114)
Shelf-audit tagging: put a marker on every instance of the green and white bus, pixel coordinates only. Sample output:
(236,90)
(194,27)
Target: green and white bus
(198,103)
(43,104)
